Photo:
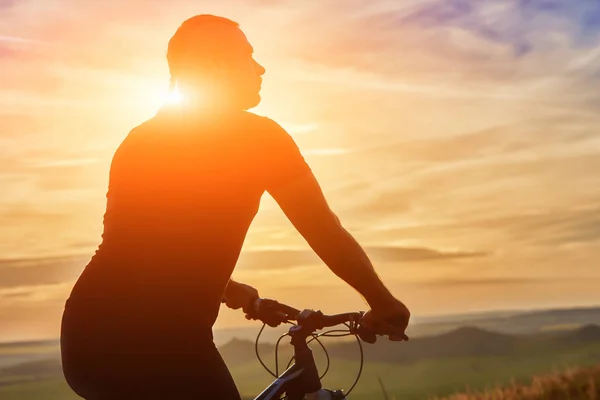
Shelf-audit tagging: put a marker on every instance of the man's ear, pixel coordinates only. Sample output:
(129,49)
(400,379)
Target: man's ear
(217,67)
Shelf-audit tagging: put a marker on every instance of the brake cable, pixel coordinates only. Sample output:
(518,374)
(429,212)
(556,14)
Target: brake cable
(258,354)
(315,337)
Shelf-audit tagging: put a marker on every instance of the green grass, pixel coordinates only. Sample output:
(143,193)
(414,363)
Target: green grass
(430,377)
(420,380)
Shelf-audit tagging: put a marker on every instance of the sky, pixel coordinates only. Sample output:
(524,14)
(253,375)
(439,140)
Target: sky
(457,141)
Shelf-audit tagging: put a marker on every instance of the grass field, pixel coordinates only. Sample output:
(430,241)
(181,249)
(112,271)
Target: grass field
(420,380)
(574,384)
(429,378)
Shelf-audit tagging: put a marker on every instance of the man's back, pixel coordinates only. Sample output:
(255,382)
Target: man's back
(181,199)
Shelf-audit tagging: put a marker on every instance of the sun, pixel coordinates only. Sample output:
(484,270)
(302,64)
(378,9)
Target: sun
(172,96)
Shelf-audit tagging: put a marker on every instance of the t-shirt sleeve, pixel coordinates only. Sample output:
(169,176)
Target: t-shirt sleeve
(280,158)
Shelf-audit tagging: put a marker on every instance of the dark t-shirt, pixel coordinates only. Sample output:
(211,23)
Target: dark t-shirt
(180,201)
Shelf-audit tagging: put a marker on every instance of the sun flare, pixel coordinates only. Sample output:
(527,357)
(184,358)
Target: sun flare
(172,96)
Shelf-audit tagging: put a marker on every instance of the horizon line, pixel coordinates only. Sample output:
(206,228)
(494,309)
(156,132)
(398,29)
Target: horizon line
(474,313)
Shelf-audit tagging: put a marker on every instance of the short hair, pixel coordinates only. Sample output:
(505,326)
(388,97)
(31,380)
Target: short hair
(197,38)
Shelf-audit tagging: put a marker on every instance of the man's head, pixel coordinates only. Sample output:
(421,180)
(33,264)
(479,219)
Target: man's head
(210,56)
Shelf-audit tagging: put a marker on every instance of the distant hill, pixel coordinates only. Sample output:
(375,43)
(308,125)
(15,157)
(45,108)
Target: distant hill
(508,322)
(462,342)
(480,334)
(511,322)
(242,351)
(587,333)
(46,367)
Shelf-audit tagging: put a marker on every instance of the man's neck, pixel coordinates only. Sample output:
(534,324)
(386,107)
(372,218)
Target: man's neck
(192,115)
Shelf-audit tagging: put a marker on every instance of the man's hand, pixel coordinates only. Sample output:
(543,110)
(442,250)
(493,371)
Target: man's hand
(238,295)
(389,318)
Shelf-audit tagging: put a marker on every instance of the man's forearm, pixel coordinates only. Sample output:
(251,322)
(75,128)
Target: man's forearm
(346,258)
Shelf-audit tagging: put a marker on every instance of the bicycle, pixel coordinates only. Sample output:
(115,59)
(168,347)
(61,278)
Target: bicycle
(301,380)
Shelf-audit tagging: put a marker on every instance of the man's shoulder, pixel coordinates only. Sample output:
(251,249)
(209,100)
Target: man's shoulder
(137,137)
(263,125)
(260,120)
(247,121)
(168,120)
(149,130)
(158,121)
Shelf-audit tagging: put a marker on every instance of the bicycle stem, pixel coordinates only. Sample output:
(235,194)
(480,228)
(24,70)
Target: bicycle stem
(309,381)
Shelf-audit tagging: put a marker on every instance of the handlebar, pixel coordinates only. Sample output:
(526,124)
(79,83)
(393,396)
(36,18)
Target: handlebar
(274,313)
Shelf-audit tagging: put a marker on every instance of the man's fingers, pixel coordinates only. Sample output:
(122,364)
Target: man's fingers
(393,332)
(398,338)
(233,306)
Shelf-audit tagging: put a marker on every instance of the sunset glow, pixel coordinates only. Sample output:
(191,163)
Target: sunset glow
(172,96)
(461,147)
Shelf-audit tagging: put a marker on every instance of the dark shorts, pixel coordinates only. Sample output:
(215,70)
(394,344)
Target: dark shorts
(109,353)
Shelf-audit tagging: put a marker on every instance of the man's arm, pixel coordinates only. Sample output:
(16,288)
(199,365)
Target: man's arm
(290,181)
(303,202)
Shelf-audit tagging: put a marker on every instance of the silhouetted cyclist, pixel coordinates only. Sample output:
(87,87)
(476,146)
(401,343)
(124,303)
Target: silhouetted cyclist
(184,188)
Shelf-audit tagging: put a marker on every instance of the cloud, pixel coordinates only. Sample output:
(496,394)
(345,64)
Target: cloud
(549,229)
(17,39)
(16,273)
(68,174)
(32,312)
(519,24)
(453,48)
(566,131)
(15,126)
(49,228)
(43,295)
(24,213)
(28,272)
(17,294)
(325,152)
(399,254)
(5,4)
(502,282)
(282,259)
(544,231)
(434,124)
(584,61)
